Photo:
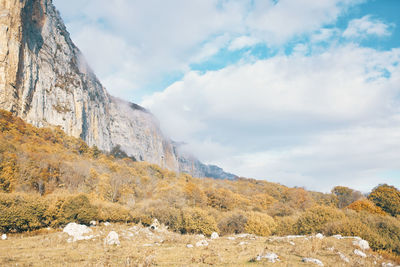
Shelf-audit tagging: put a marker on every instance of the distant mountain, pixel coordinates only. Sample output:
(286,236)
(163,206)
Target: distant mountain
(45,80)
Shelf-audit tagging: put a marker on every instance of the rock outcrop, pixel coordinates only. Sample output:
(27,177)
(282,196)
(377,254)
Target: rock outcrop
(45,80)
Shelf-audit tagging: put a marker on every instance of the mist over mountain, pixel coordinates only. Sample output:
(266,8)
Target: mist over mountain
(45,80)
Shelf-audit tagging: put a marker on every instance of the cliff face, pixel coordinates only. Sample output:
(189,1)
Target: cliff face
(45,80)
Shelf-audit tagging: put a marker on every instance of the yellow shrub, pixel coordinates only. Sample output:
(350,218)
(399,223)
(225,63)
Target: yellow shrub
(22,212)
(314,219)
(112,212)
(196,220)
(259,224)
(285,225)
(233,223)
(366,205)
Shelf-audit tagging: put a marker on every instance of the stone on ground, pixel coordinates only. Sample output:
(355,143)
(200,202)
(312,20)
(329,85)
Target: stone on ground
(311,260)
(360,253)
(271,257)
(3,237)
(77,232)
(112,239)
(363,244)
(214,235)
(202,243)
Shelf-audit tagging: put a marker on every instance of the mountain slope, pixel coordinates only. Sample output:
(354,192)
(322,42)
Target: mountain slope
(45,80)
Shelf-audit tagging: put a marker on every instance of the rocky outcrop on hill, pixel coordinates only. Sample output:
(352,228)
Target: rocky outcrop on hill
(45,80)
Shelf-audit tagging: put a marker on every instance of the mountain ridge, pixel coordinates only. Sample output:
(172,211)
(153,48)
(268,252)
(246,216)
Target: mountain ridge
(45,80)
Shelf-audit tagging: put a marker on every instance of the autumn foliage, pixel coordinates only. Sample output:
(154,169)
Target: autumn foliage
(49,179)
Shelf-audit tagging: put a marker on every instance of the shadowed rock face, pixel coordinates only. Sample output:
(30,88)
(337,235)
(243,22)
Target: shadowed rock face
(45,80)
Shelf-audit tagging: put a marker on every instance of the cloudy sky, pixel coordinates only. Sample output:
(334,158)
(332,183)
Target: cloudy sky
(301,92)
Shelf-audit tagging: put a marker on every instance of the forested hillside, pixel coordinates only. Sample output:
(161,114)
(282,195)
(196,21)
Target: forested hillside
(50,179)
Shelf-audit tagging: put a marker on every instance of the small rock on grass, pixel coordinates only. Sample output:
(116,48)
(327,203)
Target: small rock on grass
(271,257)
(202,243)
(360,253)
(311,260)
(214,235)
(361,243)
(112,239)
(3,237)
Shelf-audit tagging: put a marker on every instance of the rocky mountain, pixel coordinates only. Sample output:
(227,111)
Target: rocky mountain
(45,80)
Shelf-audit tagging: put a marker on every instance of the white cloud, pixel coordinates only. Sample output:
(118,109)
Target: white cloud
(322,118)
(242,42)
(167,36)
(366,26)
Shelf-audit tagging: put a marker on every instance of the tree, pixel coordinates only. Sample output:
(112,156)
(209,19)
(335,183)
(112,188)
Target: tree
(345,195)
(386,197)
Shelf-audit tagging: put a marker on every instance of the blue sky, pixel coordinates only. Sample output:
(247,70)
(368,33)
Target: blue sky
(300,92)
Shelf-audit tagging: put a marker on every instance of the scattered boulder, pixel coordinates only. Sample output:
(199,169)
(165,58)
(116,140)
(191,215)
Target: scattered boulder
(361,243)
(202,243)
(214,235)
(77,232)
(112,239)
(343,257)
(311,260)
(155,225)
(93,223)
(360,253)
(271,257)
(338,236)
(3,237)
(189,246)
(106,224)
(319,236)
(243,243)
(384,264)
(231,238)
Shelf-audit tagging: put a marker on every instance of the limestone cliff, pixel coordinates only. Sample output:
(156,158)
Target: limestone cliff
(45,80)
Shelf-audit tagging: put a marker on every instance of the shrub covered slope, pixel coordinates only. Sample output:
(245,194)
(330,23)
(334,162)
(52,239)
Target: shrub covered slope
(50,179)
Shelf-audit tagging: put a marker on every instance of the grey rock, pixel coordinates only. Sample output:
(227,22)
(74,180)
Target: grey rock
(45,80)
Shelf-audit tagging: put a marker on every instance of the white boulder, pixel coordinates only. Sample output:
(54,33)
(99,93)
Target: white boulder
(202,243)
(271,257)
(155,225)
(77,232)
(3,237)
(189,246)
(360,253)
(311,260)
(214,235)
(106,224)
(319,236)
(93,223)
(112,239)
(343,257)
(361,243)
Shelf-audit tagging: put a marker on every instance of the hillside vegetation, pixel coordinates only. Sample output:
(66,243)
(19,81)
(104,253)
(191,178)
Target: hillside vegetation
(48,179)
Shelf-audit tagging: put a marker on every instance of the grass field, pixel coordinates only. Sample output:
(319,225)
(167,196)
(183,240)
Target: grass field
(142,247)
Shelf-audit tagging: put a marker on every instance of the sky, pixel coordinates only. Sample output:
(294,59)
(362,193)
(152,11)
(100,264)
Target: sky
(301,92)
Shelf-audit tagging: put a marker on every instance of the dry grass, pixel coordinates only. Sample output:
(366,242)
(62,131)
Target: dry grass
(142,247)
